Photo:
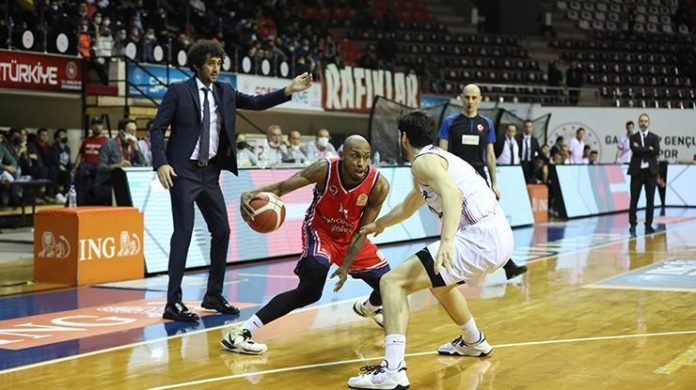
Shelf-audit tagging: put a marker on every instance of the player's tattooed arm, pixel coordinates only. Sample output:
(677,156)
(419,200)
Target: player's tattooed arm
(374,205)
(313,174)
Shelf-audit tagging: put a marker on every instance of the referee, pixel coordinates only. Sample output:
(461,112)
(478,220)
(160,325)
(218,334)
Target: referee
(471,137)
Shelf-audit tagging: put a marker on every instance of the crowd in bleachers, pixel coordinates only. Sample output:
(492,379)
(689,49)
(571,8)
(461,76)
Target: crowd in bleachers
(29,156)
(641,51)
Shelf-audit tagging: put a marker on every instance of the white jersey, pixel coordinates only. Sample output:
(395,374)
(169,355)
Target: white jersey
(478,200)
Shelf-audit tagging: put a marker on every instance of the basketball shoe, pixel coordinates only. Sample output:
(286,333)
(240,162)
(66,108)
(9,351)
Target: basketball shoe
(359,309)
(381,377)
(458,347)
(239,340)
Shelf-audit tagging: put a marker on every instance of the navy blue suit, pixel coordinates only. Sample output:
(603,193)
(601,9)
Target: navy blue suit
(180,109)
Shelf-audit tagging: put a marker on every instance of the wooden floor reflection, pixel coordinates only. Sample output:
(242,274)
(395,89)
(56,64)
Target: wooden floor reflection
(548,330)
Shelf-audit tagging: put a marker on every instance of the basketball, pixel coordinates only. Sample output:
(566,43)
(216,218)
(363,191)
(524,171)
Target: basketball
(269,213)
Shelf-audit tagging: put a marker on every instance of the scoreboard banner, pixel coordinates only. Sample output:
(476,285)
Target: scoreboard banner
(40,72)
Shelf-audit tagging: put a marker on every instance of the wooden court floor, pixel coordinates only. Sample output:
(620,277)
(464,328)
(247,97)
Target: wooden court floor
(556,328)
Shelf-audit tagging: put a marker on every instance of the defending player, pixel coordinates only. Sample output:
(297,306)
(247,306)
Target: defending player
(348,194)
(476,239)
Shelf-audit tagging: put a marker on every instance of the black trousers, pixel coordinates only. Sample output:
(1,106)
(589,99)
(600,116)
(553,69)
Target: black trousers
(647,179)
(197,185)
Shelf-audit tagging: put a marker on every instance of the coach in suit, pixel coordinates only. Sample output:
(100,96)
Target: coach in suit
(529,150)
(643,169)
(201,113)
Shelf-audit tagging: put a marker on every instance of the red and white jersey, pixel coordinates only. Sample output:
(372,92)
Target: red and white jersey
(335,211)
(478,200)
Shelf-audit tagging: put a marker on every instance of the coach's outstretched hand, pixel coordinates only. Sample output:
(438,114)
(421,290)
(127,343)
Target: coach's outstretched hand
(299,84)
(372,228)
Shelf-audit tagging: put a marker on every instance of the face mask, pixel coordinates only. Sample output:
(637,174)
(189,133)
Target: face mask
(107,22)
(295,147)
(64,140)
(54,7)
(323,142)
(97,20)
(242,145)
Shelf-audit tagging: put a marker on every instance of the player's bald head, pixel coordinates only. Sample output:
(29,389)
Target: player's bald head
(472,89)
(356,142)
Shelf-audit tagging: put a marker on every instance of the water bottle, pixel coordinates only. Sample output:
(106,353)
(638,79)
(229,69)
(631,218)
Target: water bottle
(72,197)
(376,159)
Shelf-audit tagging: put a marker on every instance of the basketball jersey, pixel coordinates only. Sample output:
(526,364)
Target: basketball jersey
(336,211)
(478,200)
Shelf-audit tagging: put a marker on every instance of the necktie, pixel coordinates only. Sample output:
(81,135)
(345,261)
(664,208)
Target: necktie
(527,152)
(642,140)
(204,151)
(512,153)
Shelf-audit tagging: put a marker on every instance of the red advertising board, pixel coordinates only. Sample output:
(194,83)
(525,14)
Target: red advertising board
(40,72)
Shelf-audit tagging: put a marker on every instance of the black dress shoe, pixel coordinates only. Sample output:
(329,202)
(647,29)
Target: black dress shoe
(218,303)
(177,311)
(649,230)
(632,231)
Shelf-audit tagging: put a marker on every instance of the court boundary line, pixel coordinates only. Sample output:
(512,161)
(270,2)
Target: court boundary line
(144,342)
(625,287)
(415,354)
(160,339)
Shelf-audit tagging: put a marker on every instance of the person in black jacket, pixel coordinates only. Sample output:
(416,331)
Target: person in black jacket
(529,150)
(201,113)
(643,169)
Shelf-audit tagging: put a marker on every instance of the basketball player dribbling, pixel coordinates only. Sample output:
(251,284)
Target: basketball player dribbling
(348,194)
(475,240)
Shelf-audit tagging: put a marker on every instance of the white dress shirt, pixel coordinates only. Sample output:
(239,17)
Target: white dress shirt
(506,157)
(214,127)
(576,151)
(527,152)
(644,164)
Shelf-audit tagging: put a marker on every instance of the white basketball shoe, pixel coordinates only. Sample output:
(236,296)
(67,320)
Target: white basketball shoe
(381,377)
(239,340)
(458,347)
(359,309)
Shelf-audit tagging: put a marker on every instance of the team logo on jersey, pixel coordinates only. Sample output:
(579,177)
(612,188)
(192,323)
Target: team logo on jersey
(333,190)
(479,127)
(362,200)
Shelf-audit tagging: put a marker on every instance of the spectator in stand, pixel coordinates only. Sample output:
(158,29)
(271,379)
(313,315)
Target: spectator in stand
(86,162)
(119,152)
(295,147)
(555,76)
(586,154)
(529,148)
(8,164)
(507,149)
(594,157)
(557,157)
(369,60)
(574,79)
(623,148)
(42,146)
(275,150)
(576,147)
(539,172)
(245,152)
(320,147)
(546,153)
(61,162)
(558,146)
